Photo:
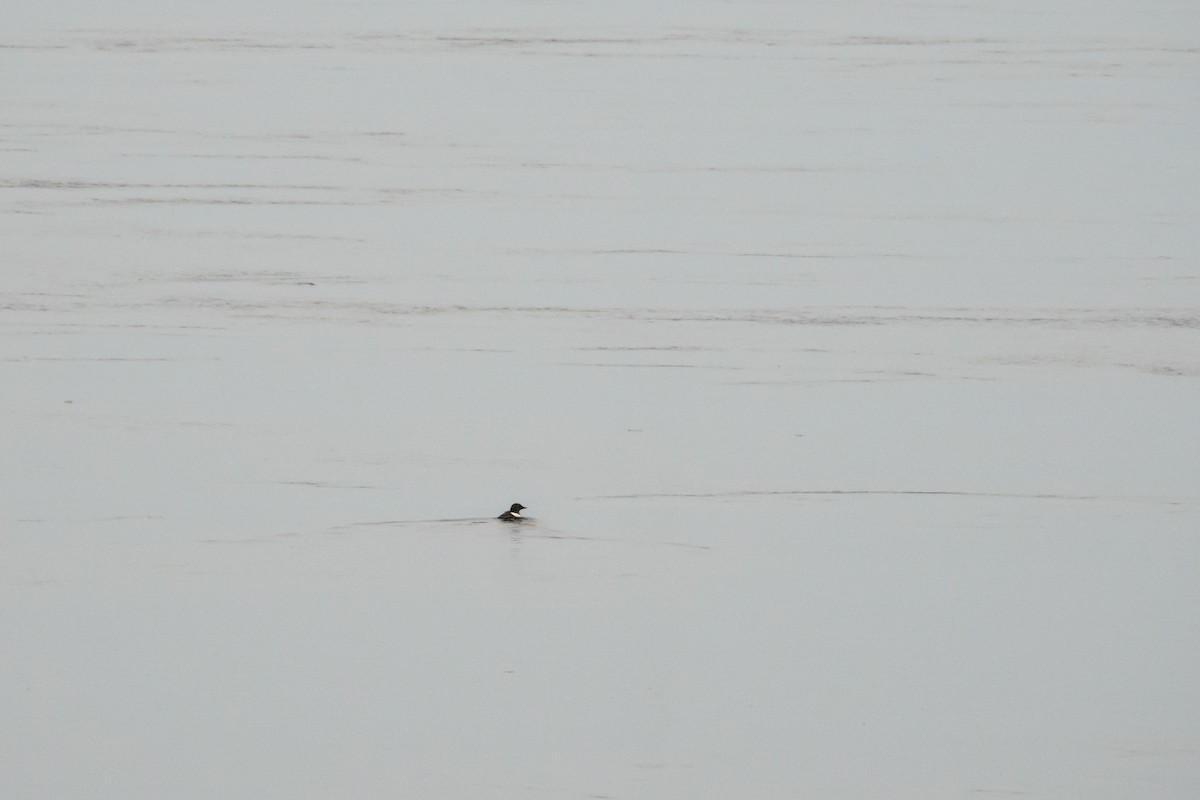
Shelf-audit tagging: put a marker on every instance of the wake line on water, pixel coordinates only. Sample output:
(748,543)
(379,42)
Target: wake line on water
(896,492)
(526,528)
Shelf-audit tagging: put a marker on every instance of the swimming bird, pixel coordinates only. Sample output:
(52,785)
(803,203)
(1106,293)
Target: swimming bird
(513,513)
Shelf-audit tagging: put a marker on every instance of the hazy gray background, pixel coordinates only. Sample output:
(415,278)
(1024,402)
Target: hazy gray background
(845,353)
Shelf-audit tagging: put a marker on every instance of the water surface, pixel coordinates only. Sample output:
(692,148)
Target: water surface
(844,354)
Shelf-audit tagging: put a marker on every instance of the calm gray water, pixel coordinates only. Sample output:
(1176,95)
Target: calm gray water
(846,355)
